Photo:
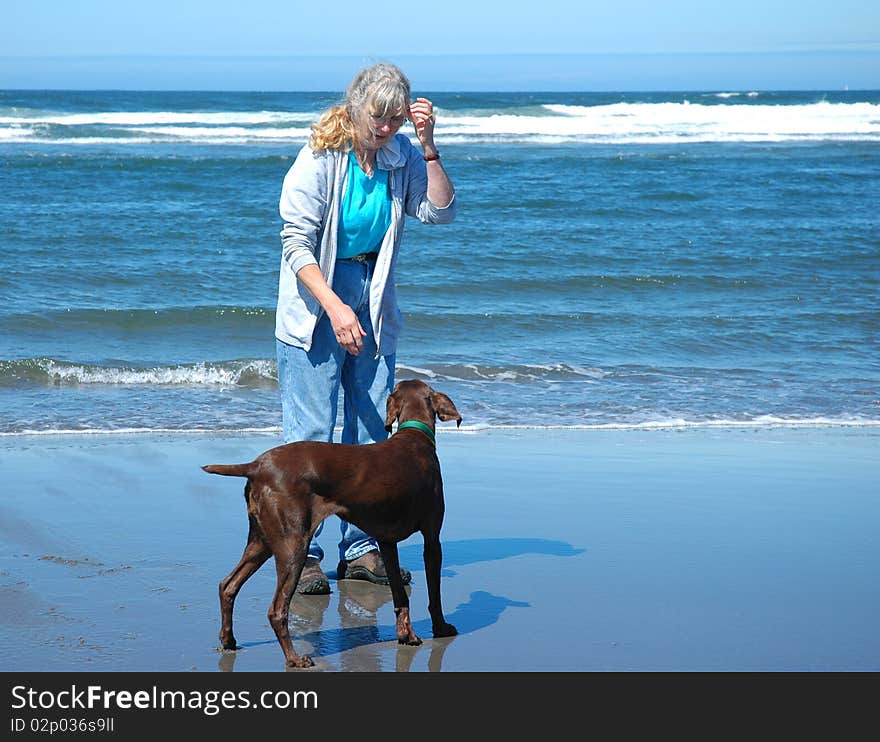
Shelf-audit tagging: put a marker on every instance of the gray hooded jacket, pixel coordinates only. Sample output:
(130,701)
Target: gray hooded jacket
(310,204)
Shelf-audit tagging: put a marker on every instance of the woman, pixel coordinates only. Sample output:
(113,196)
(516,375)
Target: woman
(343,203)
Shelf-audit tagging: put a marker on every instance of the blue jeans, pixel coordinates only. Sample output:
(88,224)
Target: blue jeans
(310,382)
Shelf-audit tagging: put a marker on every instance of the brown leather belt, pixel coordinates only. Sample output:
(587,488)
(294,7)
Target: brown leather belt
(363,257)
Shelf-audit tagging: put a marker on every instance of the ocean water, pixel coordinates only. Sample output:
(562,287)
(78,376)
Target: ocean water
(619,260)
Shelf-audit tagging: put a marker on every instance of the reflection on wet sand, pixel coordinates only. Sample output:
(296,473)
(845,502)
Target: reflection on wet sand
(359,642)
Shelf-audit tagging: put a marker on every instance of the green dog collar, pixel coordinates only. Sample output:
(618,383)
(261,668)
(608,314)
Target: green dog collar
(418,426)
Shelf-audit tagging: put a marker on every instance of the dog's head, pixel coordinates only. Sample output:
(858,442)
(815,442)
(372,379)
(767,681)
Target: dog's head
(415,400)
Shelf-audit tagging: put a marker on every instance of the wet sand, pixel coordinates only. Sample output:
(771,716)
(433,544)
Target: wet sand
(568,550)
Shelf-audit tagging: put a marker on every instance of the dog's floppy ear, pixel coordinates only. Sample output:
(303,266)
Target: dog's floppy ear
(444,408)
(392,411)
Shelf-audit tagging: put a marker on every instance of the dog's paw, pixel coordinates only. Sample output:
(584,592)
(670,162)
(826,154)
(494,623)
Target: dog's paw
(444,629)
(409,639)
(299,662)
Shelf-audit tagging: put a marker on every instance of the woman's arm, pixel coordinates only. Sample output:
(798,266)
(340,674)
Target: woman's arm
(440,188)
(346,327)
(303,207)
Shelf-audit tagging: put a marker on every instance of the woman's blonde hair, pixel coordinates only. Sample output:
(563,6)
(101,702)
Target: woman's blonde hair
(380,90)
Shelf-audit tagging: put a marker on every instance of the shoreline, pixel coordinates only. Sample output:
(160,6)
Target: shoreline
(564,550)
(771,423)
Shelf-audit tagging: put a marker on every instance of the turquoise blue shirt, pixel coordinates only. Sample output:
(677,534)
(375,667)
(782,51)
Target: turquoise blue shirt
(314,186)
(365,212)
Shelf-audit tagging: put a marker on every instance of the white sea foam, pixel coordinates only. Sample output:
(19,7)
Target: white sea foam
(684,121)
(142,118)
(406,370)
(751,94)
(17,134)
(759,423)
(140,431)
(198,374)
(473,372)
(737,122)
(616,123)
(222,134)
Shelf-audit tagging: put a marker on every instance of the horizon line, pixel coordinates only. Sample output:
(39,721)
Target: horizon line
(378,57)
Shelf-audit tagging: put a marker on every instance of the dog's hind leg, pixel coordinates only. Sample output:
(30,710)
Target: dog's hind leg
(290,558)
(405,632)
(255,555)
(433,561)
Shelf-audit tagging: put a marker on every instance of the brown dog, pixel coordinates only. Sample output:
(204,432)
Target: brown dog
(389,489)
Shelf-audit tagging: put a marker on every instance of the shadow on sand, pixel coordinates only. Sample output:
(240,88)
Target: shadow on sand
(475,551)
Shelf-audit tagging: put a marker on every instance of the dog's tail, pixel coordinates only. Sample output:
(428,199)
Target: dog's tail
(230,470)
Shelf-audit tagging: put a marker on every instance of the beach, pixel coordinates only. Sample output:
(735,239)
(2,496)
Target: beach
(751,549)
(656,312)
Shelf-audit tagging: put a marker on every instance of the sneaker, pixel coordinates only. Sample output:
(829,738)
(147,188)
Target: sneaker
(368,567)
(312,580)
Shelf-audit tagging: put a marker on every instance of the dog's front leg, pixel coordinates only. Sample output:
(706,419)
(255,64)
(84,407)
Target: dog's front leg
(433,562)
(405,633)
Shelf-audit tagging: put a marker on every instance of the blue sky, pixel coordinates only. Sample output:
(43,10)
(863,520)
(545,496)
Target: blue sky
(453,45)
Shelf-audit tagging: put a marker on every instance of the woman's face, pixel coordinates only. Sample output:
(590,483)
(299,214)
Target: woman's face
(374,132)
